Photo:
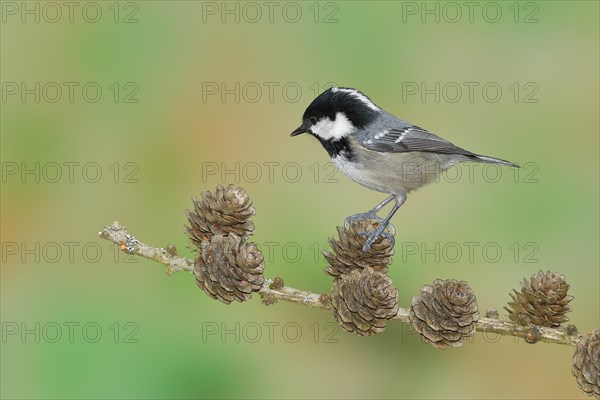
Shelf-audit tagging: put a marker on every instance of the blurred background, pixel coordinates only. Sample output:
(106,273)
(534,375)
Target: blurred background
(126,110)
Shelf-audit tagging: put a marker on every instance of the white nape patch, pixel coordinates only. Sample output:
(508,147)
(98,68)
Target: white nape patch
(357,95)
(336,129)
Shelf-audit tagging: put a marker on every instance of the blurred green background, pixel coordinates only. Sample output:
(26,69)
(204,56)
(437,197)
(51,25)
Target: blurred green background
(199,93)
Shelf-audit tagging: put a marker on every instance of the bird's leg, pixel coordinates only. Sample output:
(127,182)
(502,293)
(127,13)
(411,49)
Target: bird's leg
(380,229)
(371,214)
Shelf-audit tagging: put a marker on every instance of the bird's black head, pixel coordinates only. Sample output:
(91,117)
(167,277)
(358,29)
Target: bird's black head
(336,113)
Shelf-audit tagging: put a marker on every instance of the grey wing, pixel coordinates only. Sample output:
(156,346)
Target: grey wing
(410,138)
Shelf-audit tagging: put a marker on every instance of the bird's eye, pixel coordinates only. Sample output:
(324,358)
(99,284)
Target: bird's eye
(312,120)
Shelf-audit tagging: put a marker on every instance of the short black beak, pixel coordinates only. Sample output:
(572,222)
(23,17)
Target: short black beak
(298,130)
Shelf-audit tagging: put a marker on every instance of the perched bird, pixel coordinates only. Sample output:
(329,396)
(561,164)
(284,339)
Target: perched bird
(379,150)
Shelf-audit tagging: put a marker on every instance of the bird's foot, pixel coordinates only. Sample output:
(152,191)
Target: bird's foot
(379,232)
(369,215)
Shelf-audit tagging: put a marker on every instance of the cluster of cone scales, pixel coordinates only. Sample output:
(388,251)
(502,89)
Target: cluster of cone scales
(363,296)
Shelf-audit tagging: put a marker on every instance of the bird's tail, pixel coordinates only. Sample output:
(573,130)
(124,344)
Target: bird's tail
(492,160)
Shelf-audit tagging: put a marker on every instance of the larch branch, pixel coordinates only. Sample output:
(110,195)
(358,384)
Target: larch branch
(271,293)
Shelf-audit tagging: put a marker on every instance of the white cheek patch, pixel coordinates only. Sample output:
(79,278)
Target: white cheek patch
(338,128)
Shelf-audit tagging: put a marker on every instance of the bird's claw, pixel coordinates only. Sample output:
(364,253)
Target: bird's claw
(380,231)
(362,217)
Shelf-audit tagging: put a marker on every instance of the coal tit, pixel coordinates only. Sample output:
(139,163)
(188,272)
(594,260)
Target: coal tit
(379,150)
